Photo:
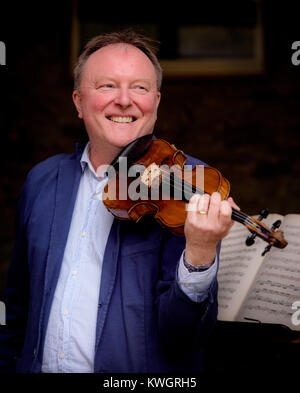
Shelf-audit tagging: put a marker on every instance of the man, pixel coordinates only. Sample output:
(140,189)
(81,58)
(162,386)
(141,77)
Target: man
(87,293)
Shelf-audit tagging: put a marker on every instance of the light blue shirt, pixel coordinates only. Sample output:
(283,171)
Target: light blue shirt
(71,331)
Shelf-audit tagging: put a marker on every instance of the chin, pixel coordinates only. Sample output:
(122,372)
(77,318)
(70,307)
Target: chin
(125,139)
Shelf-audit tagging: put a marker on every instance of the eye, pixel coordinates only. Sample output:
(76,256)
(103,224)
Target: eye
(140,89)
(106,86)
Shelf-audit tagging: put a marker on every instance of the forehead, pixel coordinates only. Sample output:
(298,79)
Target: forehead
(120,59)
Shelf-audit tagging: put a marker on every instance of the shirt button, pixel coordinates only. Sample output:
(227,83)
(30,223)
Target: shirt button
(83,234)
(95,196)
(65,312)
(74,273)
(62,355)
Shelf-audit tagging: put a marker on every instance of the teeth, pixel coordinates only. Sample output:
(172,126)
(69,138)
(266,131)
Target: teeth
(119,119)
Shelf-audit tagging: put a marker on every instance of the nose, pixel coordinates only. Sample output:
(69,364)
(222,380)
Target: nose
(123,97)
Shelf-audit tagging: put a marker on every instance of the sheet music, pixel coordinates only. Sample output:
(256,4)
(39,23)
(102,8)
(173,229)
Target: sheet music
(238,267)
(277,284)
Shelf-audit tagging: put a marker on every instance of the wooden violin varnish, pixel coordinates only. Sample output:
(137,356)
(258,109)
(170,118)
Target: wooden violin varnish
(163,187)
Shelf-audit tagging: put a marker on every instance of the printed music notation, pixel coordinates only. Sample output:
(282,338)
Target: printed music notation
(256,287)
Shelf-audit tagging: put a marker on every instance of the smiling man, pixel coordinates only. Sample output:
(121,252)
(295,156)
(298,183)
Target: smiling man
(117,98)
(86,292)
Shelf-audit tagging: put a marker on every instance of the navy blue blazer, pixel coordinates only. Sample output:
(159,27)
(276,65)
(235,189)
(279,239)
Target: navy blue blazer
(145,322)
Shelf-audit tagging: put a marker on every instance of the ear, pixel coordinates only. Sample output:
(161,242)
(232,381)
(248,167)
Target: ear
(158,99)
(77,102)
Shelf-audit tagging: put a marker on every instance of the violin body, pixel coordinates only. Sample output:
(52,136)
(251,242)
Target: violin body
(171,212)
(162,168)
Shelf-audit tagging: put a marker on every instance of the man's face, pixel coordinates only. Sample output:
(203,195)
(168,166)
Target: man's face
(118,97)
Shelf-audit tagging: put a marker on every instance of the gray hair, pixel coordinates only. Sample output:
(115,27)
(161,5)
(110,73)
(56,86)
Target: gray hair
(145,44)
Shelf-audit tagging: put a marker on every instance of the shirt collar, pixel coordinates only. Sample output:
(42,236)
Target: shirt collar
(85,160)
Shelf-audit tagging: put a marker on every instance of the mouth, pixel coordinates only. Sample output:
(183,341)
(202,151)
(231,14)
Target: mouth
(121,119)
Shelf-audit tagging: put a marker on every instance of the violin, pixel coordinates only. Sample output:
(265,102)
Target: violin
(160,185)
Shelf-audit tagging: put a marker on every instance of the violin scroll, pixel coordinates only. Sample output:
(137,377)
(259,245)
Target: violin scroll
(276,238)
(273,236)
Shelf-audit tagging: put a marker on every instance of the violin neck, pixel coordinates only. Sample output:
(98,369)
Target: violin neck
(247,221)
(239,216)
(189,190)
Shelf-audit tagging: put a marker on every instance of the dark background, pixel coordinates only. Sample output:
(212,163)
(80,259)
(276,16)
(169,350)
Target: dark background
(247,126)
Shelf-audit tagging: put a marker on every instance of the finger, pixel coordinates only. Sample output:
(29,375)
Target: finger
(214,206)
(203,204)
(225,211)
(232,203)
(192,206)
(225,217)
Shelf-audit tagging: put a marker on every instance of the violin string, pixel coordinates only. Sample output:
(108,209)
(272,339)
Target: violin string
(179,183)
(249,221)
(237,215)
(242,216)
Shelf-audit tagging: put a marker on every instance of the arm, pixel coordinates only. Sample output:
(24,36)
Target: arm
(183,324)
(195,283)
(183,321)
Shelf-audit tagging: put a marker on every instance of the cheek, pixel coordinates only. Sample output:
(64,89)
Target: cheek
(149,107)
(94,103)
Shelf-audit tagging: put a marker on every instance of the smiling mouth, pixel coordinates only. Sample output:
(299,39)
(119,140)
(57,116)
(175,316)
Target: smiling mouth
(121,119)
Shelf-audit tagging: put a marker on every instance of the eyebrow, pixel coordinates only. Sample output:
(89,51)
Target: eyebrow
(143,80)
(97,79)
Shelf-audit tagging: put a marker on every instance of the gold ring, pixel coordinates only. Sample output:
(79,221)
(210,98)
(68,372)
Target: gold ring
(202,212)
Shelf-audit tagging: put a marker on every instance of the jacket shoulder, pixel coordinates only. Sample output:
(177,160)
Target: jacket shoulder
(43,176)
(46,167)
(194,161)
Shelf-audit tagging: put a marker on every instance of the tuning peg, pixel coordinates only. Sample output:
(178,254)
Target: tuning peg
(250,239)
(275,225)
(262,214)
(267,249)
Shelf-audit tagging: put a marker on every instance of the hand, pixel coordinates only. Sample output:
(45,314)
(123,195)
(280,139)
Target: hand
(203,231)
